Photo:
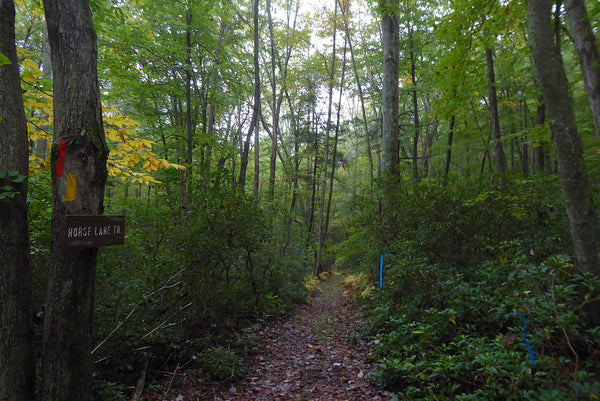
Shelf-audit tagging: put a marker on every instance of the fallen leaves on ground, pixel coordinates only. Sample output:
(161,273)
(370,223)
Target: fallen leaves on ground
(317,355)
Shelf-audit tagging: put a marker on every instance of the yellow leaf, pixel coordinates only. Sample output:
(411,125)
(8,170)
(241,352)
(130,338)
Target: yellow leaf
(29,64)
(122,133)
(111,135)
(147,143)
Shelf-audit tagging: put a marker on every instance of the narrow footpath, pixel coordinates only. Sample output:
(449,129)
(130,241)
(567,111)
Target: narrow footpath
(315,355)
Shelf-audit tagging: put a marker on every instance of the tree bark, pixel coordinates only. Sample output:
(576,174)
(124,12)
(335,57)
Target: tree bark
(587,52)
(41,145)
(525,156)
(390,157)
(415,105)
(331,72)
(17,375)
(389,24)
(335,145)
(78,159)
(245,151)
(542,160)
(255,108)
(256,181)
(360,95)
(186,175)
(210,124)
(313,177)
(256,111)
(296,157)
(429,134)
(494,119)
(583,220)
(449,150)
(275,108)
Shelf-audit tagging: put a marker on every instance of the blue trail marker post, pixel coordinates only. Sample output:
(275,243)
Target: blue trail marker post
(381,270)
(531,356)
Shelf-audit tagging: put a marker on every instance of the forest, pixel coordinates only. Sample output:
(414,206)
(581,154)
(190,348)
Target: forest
(443,157)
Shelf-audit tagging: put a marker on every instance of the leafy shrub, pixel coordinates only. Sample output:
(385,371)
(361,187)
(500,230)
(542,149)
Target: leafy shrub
(220,364)
(183,285)
(467,341)
(461,265)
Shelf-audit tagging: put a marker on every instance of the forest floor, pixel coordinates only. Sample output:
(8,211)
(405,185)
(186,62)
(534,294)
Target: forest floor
(315,355)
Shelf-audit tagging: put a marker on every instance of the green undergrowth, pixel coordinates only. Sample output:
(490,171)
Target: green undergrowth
(464,269)
(444,333)
(188,291)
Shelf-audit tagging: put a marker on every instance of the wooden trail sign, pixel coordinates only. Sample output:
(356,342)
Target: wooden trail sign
(90,231)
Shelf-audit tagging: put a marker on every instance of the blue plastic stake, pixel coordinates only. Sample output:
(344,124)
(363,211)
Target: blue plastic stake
(531,356)
(381,270)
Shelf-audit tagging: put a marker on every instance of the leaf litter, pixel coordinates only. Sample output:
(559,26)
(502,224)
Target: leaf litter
(317,354)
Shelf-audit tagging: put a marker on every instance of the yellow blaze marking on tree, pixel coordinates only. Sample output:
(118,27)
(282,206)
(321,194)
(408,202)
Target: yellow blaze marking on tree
(71,187)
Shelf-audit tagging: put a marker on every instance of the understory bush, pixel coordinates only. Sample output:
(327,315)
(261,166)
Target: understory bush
(220,364)
(184,285)
(480,300)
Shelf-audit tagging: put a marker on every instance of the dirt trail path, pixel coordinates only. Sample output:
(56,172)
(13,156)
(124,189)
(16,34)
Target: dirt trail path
(314,355)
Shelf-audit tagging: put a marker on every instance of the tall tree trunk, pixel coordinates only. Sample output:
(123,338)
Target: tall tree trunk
(256,110)
(390,157)
(322,231)
(525,162)
(494,119)
(245,151)
(41,145)
(345,7)
(296,157)
(275,114)
(415,104)
(335,144)
(431,132)
(17,375)
(360,95)
(313,177)
(543,161)
(583,220)
(525,156)
(558,25)
(277,100)
(390,27)
(210,126)
(256,181)
(256,106)
(587,52)
(186,183)
(79,156)
(449,150)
